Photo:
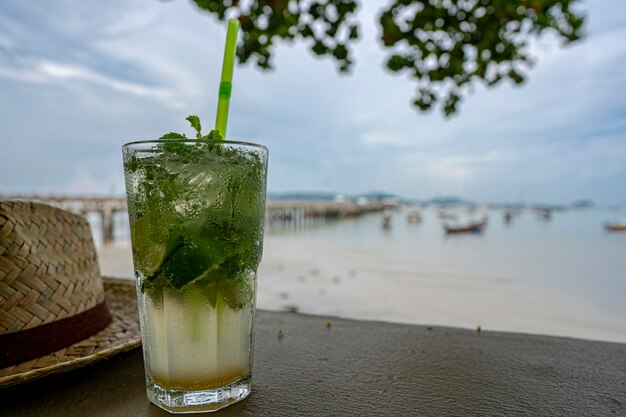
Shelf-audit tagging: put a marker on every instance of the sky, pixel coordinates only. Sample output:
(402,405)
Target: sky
(81,78)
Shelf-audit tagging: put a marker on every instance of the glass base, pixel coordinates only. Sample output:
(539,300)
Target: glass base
(202,401)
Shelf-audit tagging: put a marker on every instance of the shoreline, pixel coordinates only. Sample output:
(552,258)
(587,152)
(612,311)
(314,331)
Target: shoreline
(303,275)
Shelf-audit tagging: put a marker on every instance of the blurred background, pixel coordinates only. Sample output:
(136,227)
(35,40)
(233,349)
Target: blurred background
(456,163)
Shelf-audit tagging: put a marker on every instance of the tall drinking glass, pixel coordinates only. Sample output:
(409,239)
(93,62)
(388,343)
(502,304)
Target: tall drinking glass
(196,212)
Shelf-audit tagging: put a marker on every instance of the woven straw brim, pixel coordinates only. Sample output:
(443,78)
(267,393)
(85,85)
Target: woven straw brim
(121,335)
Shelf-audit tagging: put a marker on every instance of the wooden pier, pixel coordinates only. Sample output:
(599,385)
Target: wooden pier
(302,213)
(279,213)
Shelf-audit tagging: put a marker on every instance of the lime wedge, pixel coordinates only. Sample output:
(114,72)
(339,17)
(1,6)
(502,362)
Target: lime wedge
(151,258)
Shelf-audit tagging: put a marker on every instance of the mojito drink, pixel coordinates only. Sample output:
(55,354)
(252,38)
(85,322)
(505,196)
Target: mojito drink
(196,210)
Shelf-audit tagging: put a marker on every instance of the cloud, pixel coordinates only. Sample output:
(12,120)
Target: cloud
(378,137)
(84,182)
(42,71)
(94,75)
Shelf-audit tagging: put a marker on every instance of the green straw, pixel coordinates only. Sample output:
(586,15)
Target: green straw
(227,77)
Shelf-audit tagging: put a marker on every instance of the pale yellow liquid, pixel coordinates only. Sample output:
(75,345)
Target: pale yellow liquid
(210,353)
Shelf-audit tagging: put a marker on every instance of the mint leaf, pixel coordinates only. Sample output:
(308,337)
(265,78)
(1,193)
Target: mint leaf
(213,135)
(195,123)
(185,265)
(172,135)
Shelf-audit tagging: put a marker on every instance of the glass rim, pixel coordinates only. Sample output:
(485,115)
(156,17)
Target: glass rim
(190,140)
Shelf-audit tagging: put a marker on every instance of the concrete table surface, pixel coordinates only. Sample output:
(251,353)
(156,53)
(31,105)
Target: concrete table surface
(361,368)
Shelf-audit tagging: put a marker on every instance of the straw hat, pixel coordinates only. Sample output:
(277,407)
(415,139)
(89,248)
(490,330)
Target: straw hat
(56,312)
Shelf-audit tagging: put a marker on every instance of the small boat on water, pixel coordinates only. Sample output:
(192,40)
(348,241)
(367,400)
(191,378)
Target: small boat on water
(544,214)
(386,223)
(470,227)
(414,217)
(616,227)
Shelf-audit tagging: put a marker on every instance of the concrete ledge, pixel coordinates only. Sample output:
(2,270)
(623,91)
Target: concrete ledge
(369,369)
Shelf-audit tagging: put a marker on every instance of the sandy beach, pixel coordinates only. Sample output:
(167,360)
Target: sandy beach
(304,274)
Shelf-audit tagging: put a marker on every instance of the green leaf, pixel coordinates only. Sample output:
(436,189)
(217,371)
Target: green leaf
(237,293)
(473,35)
(172,135)
(186,264)
(195,123)
(449,46)
(213,135)
(265,22)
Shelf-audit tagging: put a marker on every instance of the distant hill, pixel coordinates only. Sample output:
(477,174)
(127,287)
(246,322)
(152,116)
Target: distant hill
(313,195)
(448,201)
(379,195)
(301,195)
(583,204)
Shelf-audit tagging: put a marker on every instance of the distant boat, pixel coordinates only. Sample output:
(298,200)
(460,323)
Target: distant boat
(414,217)
(544,214)
(470,227)
(386,224)
(616,227)
(507,216)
